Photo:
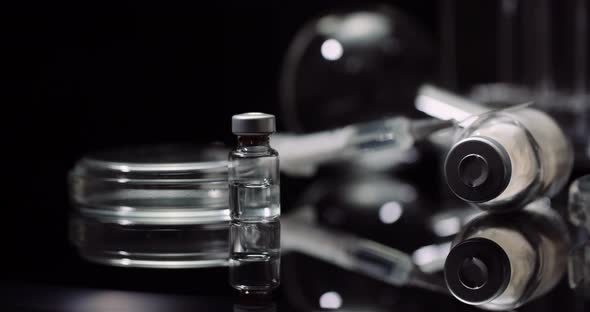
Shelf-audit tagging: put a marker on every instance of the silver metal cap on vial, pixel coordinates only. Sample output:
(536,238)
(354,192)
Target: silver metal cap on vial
(253,124)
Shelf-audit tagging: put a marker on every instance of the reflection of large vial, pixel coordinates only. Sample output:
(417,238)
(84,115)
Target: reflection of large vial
(501,261)
(506,159)
(254,205)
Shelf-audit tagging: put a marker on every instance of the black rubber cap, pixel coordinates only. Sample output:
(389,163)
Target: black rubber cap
(473,273)
(477,169)
(477,270)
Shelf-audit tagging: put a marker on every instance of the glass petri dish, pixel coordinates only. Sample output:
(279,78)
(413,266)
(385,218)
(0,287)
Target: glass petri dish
(162,206)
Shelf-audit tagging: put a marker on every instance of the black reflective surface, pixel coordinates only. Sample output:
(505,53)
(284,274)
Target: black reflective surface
(79,76)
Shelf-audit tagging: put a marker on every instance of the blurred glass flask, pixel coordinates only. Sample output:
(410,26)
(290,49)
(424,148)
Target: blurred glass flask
(354,65)
(254,205)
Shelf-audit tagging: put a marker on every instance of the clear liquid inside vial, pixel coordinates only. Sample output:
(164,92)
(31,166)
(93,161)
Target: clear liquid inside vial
(255,208)
(254,200)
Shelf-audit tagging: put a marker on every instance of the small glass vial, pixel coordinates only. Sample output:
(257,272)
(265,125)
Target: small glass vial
(254,205)
(502,261)
(507,159)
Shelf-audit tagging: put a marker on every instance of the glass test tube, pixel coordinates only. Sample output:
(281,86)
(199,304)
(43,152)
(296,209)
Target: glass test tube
(254,205)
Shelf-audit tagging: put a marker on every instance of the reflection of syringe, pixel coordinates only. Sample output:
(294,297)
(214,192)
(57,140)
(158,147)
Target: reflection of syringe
(301,154)
(356,254)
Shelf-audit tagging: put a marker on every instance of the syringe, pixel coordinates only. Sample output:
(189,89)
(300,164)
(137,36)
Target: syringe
(387,138)
(302,154)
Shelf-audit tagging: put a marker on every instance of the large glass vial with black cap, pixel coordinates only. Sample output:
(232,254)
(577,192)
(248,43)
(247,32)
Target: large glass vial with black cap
(506,159)
(254,205)
(501,261)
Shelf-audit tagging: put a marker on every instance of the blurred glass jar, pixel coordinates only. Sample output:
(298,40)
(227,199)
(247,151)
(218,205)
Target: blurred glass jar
(354,65)
(501,261)
(153,206)
(506,159)
(579,216)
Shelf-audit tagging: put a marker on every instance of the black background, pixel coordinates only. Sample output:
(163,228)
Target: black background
(77,76)
(80,76)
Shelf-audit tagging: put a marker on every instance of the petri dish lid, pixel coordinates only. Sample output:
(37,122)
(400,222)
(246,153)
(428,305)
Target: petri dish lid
(153,184)
(172,161)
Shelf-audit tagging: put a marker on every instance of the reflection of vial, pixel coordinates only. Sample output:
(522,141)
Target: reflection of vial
(254,205)
(506,159)
(501,261)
